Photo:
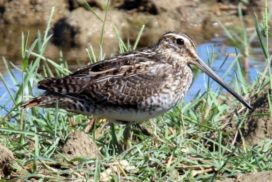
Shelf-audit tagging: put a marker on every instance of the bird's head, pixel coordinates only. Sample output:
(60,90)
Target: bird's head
(180,47)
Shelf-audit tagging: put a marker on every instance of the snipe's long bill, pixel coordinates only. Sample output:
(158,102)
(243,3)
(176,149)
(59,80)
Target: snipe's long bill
(205,68)
(130,87)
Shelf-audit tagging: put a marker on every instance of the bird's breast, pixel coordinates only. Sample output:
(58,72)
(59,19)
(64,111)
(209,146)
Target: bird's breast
(172,91)
(169,98)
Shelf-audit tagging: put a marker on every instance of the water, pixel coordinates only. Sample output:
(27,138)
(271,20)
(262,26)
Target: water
(225,66)
(220,65)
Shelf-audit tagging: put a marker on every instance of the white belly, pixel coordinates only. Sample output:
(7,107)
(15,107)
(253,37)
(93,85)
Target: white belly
(129,115)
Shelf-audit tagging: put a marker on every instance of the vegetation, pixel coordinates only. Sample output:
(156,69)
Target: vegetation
(187,143)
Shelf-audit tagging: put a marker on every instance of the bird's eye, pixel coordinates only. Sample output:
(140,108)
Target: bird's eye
(180,41)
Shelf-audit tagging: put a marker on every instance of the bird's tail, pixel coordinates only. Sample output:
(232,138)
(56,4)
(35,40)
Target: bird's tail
(51,100)
(31,103)
(44,101)
(66,85)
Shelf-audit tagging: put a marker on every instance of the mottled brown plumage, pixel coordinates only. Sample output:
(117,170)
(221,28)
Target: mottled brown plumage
(129,87)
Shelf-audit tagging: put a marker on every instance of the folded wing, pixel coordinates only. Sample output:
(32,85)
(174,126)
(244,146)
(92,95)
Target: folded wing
(125,82)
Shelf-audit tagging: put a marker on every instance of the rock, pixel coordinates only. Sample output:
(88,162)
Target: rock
(83,28)
(33,12)
(79,144)
(180,20)
(155,26)
(6,159)
(165,6)
(174,16)
(145,6)
(73,4)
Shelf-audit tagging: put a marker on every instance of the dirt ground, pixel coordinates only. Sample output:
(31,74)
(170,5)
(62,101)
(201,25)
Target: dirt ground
(251,177)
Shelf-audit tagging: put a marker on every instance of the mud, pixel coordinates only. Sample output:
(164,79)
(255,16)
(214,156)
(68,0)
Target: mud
(251,177)
(79,144)
(257,125)
(6,159)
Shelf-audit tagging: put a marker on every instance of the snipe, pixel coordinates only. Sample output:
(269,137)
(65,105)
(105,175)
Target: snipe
(131,87)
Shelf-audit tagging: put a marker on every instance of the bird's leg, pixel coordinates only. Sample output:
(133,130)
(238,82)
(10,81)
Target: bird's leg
(114,138)
(127,136)
(90,125)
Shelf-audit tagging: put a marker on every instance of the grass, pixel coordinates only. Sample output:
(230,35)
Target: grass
(187,143)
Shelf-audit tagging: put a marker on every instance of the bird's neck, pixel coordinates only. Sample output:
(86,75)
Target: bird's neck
(172,57)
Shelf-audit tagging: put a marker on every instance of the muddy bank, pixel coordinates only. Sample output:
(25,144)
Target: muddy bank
(6,160)
(244,127)
(258,125)
(77,26)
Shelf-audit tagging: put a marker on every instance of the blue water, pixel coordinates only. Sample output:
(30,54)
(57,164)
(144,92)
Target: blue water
(224,63)
(220,64)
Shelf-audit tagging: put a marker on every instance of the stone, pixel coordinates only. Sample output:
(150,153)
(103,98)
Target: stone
(33,12)
(82,29)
